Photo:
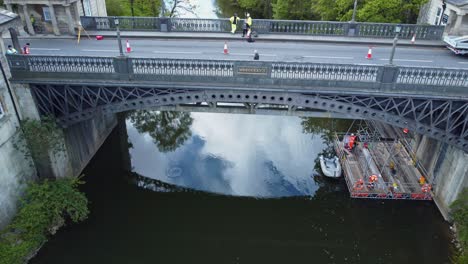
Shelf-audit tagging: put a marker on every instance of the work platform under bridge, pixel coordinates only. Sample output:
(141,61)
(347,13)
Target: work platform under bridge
(382,164)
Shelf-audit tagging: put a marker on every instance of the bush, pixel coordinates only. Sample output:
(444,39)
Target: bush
(460,217)
(44,207)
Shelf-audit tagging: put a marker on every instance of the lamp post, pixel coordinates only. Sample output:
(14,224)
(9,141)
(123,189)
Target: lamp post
(395,40)
(354,11)
(116,22)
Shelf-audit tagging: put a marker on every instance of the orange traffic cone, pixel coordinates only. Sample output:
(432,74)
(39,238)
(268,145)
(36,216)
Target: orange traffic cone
(225,48)
(369,53)
(413,39)
(129,49)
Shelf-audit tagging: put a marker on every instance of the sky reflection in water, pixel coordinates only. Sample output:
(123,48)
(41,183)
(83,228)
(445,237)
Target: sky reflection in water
(246,155)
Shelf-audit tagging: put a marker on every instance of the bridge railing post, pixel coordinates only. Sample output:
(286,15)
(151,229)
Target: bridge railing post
(387,76)
(352,29)
(123,66)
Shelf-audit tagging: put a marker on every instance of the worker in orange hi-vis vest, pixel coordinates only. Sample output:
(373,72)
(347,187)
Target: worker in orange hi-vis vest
(351,142)
(422,180)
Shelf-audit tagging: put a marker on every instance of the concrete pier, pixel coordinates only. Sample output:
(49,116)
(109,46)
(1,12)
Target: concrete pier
(448,170)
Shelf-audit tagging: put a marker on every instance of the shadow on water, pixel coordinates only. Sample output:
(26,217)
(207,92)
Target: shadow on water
(132,223)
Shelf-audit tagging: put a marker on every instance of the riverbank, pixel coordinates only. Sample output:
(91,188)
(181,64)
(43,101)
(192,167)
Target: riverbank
(45,207)
(460,227)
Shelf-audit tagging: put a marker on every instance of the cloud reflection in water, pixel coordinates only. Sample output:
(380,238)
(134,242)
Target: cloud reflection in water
(246,155)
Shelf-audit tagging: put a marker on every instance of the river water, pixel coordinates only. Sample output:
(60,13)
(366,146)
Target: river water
(254,194)
(172,187)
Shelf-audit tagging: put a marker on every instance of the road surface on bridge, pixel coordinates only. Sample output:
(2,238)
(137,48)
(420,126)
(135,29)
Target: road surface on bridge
(241,50)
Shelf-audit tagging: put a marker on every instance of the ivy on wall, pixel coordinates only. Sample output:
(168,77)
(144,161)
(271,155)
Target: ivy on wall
(39,138)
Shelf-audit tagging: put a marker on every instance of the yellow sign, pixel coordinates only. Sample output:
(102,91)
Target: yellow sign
(253,70)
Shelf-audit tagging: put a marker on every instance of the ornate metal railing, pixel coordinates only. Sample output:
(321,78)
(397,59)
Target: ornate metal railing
(182,67)
(433,76)
(385,30)
(199,25)
(125,23)
(306,27)
(266,26)
(374,78)
(70,64)
(319,71)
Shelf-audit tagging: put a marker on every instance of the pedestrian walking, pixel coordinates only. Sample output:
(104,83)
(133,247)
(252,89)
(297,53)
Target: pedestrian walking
(234,20)
(26,49)
(247,24)
(256,56)
(11,50)
(249,36)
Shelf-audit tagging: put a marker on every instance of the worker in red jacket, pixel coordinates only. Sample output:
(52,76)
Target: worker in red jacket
(26,49)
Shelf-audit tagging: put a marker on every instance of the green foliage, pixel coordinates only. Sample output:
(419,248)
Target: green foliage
(142,8)
(39,137)
(293,10)
(385,11)
(168,129)
(460,217)
(45,206)
(258,8)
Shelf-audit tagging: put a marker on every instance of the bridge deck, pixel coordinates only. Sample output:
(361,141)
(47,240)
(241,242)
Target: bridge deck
(362,162)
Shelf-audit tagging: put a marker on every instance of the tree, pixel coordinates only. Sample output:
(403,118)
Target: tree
(168,129)
(390,11)
(176,6)
(293,10)
(258,8)
(334,10)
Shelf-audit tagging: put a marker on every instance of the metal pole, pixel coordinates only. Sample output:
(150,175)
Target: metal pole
(395,40)
(354,11)
(120,42)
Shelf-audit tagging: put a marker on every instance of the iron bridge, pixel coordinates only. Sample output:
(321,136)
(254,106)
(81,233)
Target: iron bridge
(428,101)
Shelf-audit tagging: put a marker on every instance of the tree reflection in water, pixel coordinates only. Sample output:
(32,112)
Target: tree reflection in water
(168,129)
(326,128)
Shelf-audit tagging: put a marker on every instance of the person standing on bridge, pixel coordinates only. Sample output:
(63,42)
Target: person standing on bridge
(26,49)
(11,50)
(234,20)
(247,25)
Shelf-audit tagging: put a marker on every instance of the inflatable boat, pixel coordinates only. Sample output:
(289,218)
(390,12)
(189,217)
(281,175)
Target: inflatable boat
(330,166)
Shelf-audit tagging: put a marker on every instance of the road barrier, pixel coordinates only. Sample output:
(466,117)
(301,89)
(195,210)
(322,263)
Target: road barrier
(265,26)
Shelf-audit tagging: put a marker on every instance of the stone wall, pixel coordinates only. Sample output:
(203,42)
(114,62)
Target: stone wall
(448,170)
(81,140)
(15,167)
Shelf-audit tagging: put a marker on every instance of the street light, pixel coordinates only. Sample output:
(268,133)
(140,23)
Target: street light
(116,22)
(354,11)
(395,40)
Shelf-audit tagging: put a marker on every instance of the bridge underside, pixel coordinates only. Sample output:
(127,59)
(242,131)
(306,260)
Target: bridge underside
(442,119)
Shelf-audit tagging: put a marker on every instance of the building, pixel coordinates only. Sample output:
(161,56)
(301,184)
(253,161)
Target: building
(452,13)
(55,16)
(15,168)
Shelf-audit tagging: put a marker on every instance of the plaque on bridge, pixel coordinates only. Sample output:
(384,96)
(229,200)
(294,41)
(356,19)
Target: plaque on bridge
(251,70)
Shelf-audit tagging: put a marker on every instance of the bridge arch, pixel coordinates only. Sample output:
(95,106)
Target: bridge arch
(442,119)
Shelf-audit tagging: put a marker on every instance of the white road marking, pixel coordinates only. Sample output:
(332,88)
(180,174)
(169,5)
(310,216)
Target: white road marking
(428,61)
(178,52)
(100,50)
(327,57)
(463,62)
(251,54)
(43,49)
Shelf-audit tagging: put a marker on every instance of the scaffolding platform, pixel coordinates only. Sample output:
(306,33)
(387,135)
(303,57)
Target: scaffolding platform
(381,166)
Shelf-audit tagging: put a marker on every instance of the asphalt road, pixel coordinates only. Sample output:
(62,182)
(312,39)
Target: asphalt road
(241,50)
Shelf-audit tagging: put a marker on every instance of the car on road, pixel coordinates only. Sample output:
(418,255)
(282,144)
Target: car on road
(457,44)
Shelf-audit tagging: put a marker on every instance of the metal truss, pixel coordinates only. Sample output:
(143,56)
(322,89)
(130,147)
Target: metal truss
(442,119)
